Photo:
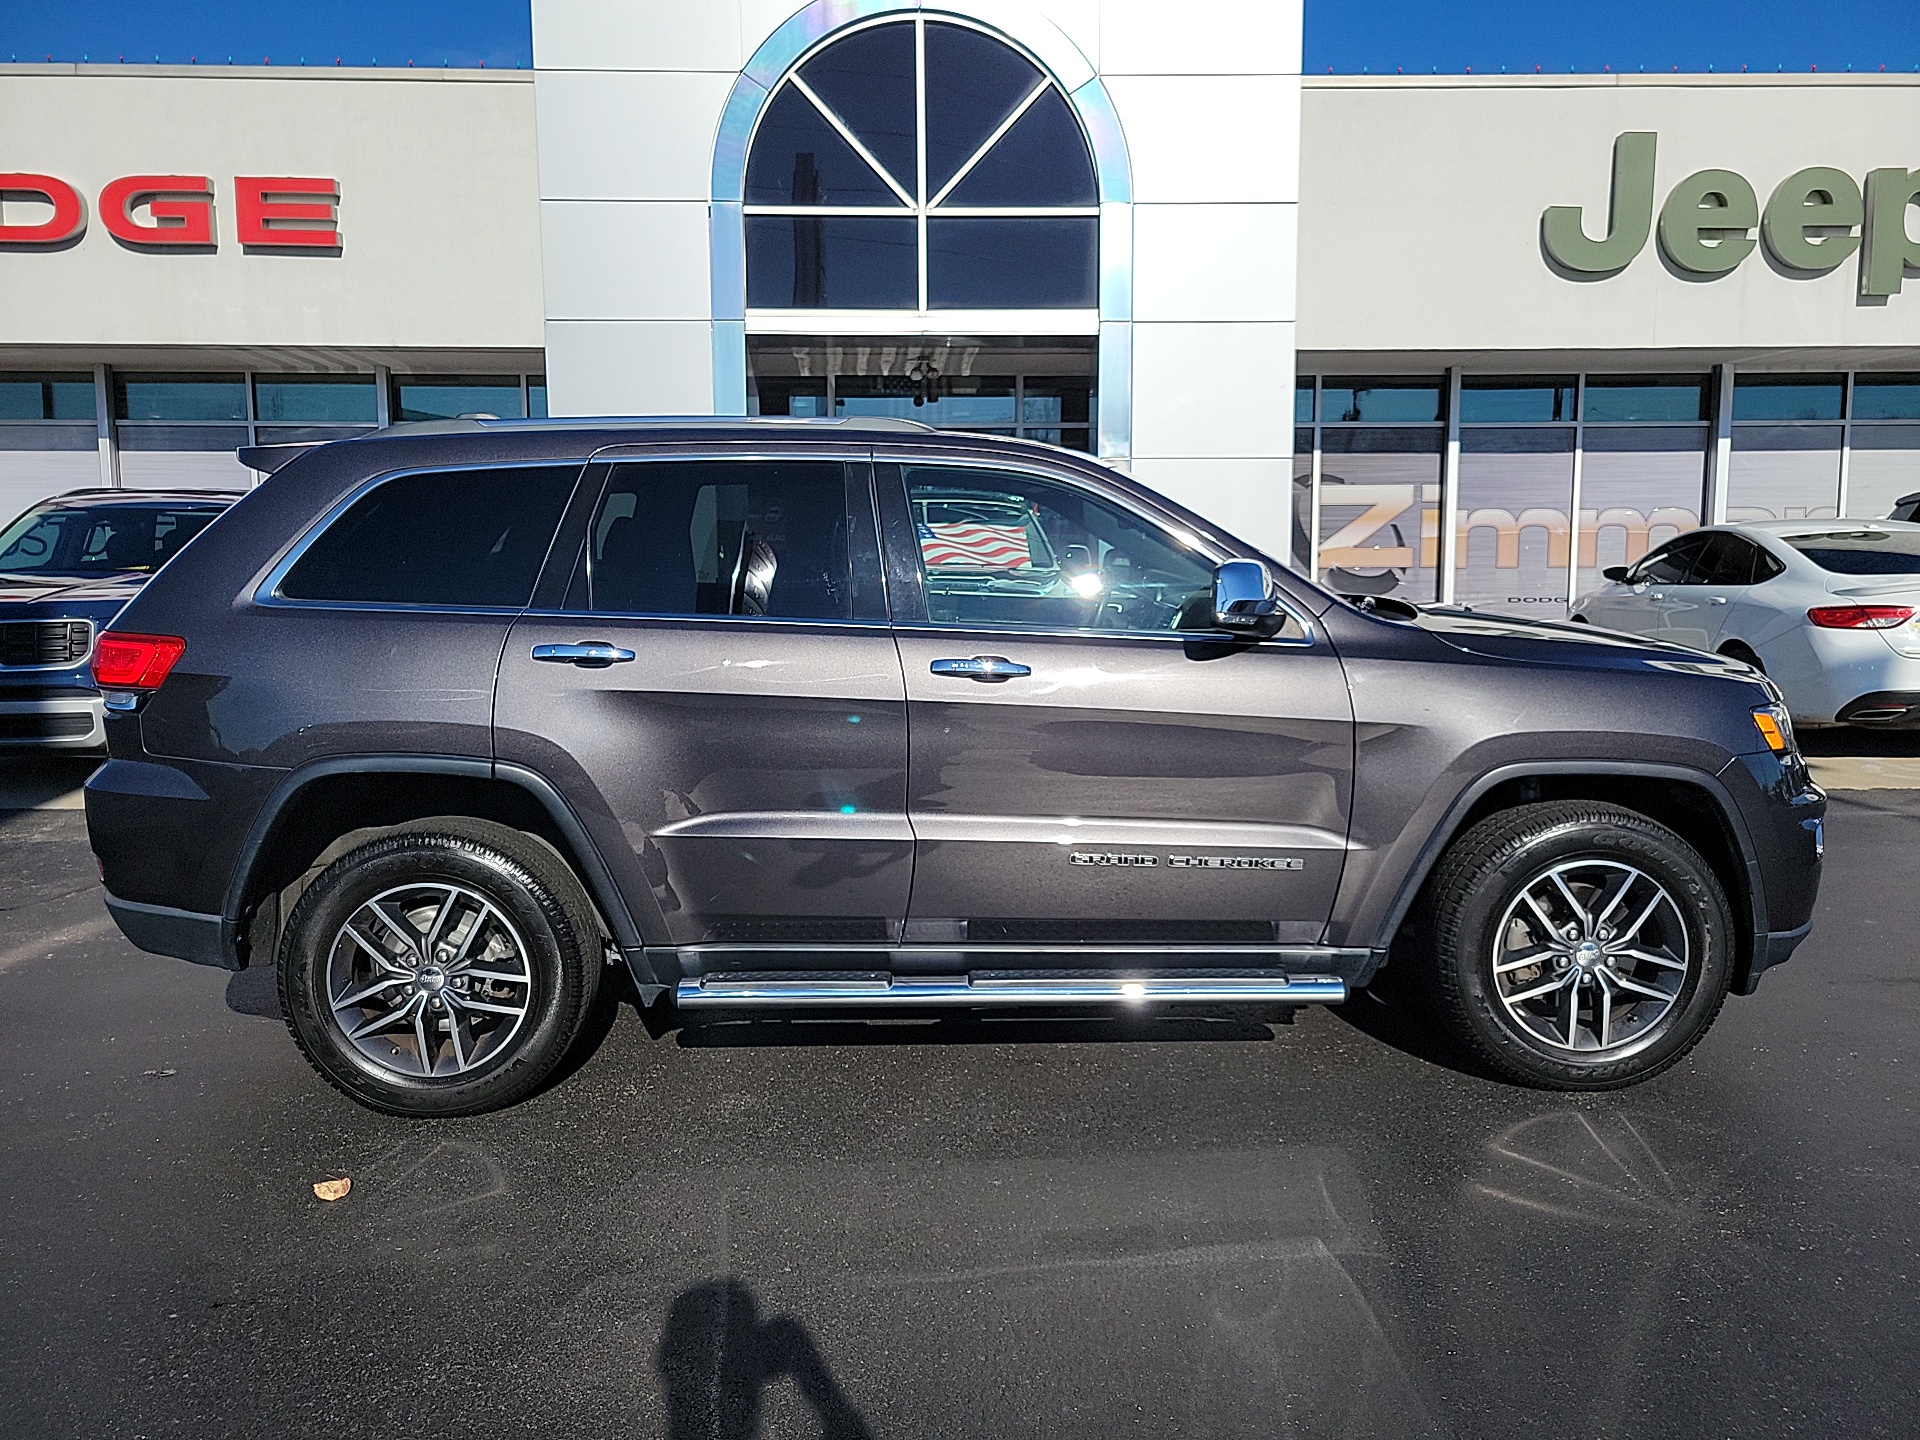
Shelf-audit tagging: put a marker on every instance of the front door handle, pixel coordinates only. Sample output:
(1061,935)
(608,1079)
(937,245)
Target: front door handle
(990,668)
(593,653)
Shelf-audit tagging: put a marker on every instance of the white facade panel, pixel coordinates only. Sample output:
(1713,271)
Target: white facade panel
(1215,390)
(1200,139)
(1422,206)
(1214,262)
(630,136)
(1206,37)
(599,35)
(607,260)
(440,246)
(1246,497)
(629,367)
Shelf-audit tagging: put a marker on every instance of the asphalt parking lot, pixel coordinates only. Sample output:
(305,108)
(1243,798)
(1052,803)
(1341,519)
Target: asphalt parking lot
(1180,1226)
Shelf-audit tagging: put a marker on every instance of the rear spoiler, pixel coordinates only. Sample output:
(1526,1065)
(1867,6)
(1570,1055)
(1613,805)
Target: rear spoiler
(269,458)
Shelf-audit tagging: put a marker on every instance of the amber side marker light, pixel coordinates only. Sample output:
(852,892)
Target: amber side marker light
(1775,727)
(123,661)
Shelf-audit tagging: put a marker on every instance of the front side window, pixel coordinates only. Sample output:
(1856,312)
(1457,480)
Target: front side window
(1670,564)
(920,164)
(107,540)
(1005,550)
(772,539)
(461,538)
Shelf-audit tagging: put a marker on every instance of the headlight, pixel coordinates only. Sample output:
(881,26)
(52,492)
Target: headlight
(1775,726)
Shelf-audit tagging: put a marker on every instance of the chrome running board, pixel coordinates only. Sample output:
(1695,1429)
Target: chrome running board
(792,990)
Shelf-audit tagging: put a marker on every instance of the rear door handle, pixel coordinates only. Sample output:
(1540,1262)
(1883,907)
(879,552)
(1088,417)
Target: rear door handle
(991,668)
(1716,599)
(593,653)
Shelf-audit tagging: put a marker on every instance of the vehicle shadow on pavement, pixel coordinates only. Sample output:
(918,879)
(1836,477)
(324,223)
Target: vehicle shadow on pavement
(717,1357)
(721,1029)
(1391,1012)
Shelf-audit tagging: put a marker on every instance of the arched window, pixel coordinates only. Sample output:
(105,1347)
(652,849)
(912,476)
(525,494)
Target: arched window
(920,165)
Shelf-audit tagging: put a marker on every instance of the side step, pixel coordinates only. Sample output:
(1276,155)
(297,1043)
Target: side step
(799,989)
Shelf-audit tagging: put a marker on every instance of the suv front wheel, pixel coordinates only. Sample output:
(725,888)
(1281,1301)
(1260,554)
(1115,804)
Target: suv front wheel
(439,973)
(1577,945)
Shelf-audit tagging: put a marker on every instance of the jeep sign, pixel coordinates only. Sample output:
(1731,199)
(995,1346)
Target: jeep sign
(1706,225)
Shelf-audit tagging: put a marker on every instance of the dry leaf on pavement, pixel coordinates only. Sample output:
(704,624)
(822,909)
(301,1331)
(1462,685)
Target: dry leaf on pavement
(332,1189)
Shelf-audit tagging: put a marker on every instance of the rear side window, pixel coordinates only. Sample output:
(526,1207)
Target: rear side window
(1728,560)
(465,538)
(775,539)
(1861,552)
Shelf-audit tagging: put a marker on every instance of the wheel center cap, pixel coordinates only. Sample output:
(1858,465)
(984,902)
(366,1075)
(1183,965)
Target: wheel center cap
(432,979)
(1588,954)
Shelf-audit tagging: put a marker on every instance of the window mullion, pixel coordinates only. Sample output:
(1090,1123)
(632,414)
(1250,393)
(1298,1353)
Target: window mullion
(920,147)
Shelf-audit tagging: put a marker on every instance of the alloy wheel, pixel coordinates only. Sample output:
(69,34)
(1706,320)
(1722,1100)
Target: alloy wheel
(429,980)
(1590,957)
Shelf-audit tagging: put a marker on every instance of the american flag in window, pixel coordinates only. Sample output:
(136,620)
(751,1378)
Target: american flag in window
(970,545)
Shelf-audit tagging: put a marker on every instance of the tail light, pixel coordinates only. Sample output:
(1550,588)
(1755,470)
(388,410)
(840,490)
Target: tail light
(122,661)
(1860,617)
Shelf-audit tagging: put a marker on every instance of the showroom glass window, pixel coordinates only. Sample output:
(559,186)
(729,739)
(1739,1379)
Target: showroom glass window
(1884,453)
(1381,443)
(920,165)
(1516,494)
(1787,437)
(1644,443)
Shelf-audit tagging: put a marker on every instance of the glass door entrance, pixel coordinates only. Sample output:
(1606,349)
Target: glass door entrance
(1034,389)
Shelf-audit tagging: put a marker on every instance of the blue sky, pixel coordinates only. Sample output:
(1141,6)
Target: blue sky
(1419,35)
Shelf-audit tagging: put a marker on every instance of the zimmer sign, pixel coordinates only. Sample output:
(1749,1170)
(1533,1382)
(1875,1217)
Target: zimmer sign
(1813,222)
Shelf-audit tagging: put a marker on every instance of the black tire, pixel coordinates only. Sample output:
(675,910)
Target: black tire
(1476,906)
(1734,650)
(538,912)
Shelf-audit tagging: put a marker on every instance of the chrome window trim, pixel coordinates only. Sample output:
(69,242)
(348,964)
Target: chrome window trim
(758,622)
(1213,555)
(267,592)
(93,635)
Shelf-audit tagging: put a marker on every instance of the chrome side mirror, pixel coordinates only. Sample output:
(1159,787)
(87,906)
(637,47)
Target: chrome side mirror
(1243,599)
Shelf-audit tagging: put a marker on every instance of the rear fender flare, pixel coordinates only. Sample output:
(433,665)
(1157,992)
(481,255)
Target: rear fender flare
(594,873)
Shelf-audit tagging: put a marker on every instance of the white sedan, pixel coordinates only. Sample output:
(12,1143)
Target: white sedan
(1826,608)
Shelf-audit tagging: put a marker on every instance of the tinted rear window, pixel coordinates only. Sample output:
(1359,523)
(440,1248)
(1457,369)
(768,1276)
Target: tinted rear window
(457,537)
(1862,552)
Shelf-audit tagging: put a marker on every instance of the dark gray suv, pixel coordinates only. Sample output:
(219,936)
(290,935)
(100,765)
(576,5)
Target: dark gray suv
(443,722)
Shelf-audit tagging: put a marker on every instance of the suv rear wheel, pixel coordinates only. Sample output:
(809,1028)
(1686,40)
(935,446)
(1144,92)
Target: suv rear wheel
(439,973)
(1578,945)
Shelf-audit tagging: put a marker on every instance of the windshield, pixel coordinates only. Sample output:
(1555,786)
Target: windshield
(1861,552)
(120,539)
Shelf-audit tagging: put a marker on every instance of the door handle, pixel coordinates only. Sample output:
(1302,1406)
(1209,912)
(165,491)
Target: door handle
(990,668)
(1716,599)
(593,653)
(1656,595)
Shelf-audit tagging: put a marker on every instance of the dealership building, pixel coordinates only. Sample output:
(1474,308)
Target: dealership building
(1464,338)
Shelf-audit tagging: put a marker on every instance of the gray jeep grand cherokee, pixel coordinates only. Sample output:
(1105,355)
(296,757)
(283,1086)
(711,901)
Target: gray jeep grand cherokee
(443,722)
